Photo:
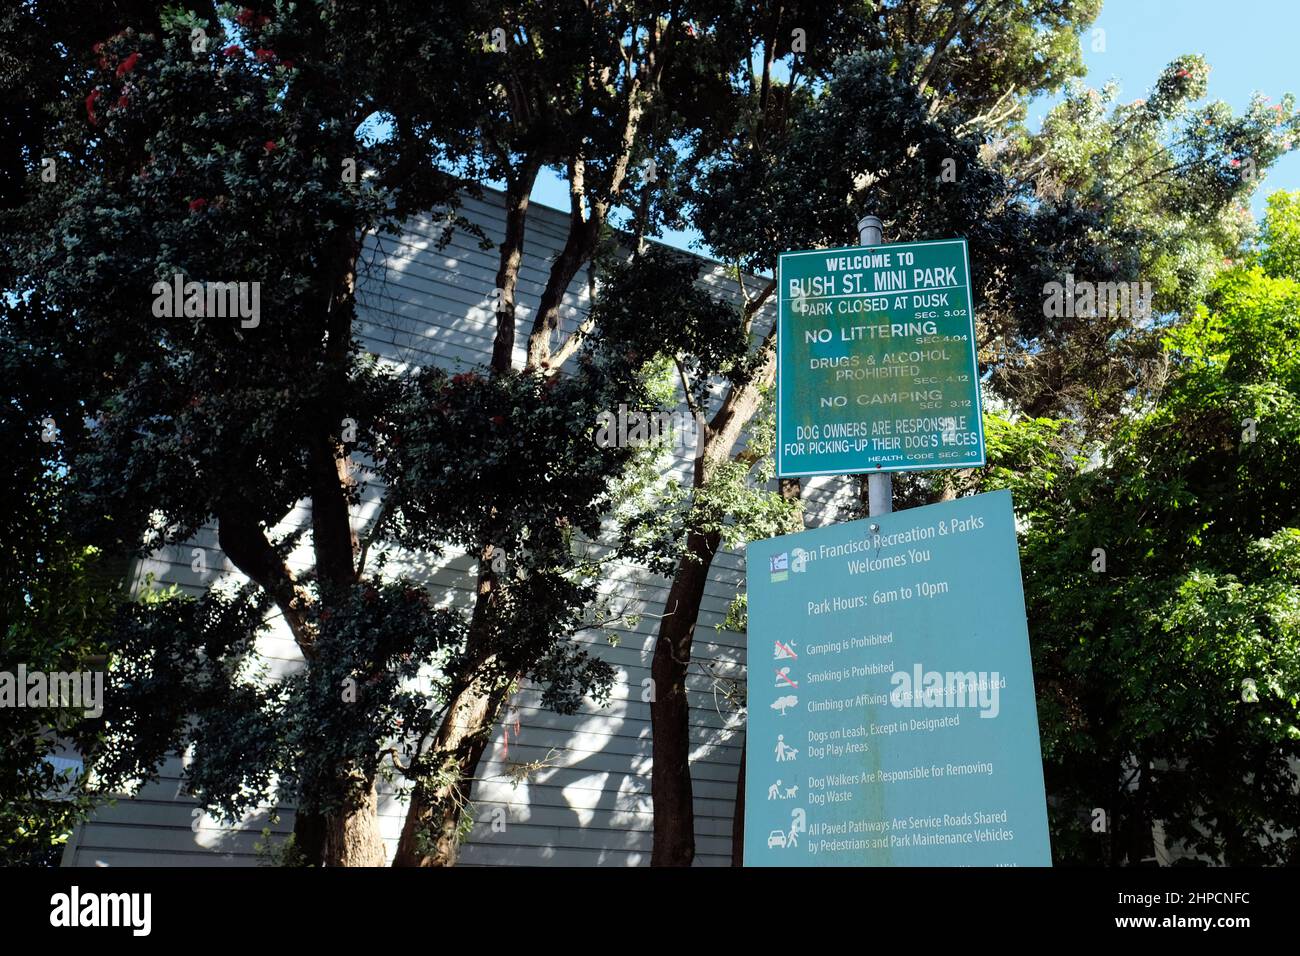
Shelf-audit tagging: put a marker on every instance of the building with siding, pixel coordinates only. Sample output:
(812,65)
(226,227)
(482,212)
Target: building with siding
(589,805)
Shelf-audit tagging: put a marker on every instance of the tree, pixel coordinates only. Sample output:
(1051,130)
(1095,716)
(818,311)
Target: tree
(548,95)
(227,158)
(215,162)
(56,590)
(1163,182)
(1169,673)
(55,593)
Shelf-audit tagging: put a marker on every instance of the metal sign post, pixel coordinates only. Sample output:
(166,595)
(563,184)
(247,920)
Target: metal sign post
(880,485)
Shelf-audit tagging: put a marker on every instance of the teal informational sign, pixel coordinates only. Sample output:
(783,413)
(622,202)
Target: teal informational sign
(876,360)
(891,700)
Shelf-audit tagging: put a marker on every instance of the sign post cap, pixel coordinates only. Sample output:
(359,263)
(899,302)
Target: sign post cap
(871,231)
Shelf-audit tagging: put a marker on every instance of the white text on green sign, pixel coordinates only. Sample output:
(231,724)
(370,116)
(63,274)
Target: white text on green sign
(877,366)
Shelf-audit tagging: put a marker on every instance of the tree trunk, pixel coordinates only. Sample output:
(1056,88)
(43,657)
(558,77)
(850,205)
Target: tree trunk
(519,189)
(670,776)
(333,539)
(431,833)
(352,834)
(445,772)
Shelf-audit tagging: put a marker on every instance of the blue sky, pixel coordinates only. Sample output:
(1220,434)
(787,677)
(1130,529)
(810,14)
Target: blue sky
(1251,45)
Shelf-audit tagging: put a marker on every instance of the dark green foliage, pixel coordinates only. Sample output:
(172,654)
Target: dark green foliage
(209,167)
(656,302)
(232,163)
(170,657)
(1169,682)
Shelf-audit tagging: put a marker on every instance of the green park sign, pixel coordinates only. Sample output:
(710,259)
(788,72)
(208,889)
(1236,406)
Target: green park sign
(876,360)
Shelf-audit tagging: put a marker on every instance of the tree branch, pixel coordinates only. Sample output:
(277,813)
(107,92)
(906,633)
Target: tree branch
(959,20)
(246,544)
(385,509)
(686,386)
(755,304)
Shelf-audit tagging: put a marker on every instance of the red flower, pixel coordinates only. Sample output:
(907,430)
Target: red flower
(269,146)
(498,419)
(287,64)
(245,17)
(90,106)
(127,65)
(264,55)
(123,101)
(232,50)
(197,204)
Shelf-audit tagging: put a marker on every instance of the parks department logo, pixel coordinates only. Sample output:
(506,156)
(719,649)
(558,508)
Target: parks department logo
(780,565)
